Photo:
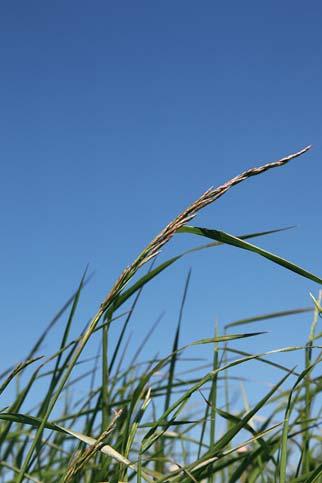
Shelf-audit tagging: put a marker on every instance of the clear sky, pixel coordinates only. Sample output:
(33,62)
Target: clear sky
(115,116)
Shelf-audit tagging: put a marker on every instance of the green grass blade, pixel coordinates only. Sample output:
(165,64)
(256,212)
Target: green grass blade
(176,345)
(271,315)
(283,457)
(239,243)
(17,370)
(153,273)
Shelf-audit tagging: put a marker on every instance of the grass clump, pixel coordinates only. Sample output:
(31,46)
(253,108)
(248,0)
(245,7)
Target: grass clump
(129,425)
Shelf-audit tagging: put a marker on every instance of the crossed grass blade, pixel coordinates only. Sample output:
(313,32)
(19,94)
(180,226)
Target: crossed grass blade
(116,298)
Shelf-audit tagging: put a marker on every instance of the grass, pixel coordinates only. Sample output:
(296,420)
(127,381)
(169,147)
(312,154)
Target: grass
(130,425)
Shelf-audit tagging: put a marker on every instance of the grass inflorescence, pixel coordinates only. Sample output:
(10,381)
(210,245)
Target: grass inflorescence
(129,424)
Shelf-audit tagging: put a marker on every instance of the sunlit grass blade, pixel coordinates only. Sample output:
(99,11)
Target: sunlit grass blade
(239,243)
(163,266)
(246,236)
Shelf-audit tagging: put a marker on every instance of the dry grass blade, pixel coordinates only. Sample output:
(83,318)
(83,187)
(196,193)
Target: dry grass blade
(79,463)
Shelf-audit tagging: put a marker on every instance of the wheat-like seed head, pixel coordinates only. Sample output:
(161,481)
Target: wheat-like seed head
(211,195)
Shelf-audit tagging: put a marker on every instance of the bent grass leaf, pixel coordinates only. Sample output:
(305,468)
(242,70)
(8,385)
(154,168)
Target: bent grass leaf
(126,294)
(224,237)
(37,422)
(20,367)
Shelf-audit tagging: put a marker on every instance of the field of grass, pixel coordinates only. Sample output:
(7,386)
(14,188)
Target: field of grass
(129,425)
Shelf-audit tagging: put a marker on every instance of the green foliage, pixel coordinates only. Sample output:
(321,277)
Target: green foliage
(144,420)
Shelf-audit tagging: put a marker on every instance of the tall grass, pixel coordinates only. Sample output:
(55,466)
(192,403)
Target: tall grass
(130,425)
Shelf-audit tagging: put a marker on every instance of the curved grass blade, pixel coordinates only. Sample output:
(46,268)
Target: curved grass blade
(37,422)
(20,367)
(272,315)
(242,237)
(224,237)
(148,253)
(153,273)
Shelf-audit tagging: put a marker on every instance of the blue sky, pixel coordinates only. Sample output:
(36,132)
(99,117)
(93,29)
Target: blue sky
(115,116)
